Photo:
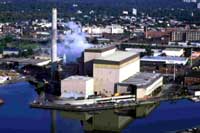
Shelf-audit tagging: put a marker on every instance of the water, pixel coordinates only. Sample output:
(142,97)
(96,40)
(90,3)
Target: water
(17,117)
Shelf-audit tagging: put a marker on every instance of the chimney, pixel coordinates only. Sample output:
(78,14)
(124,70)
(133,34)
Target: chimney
(54,44)
(54,36)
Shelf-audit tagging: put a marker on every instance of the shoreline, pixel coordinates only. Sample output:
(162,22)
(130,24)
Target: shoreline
(98,107)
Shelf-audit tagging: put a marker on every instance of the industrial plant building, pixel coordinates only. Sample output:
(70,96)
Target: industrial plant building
(173,52)
(111,68)
(142,84)
(165,60)
(78,86)
(163,64)
(93,53)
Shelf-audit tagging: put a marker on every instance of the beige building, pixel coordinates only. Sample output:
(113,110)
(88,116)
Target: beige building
(141,84)
(112,69)
(77,86)
(95,52)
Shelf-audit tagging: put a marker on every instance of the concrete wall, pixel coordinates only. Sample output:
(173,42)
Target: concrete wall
(158,83)
(82,87)
(104,80)
(142,92)
(129,70)
(90,56)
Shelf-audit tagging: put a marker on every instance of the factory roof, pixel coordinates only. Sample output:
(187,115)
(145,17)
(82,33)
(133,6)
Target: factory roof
(142,79)
(78,77)
(100,48)
(11,49)
(27,61)
(166,59)
(173,49)
(118,57)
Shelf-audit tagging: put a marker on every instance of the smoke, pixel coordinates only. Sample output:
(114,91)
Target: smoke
(74,43)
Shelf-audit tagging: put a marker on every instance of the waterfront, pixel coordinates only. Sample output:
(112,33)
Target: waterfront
(16,116)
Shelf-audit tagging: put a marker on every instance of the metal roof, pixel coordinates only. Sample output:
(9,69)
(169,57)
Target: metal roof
(118,57)
(142,79)
(166,59)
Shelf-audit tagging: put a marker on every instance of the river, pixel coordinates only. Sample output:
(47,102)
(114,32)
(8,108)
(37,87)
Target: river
(17,117)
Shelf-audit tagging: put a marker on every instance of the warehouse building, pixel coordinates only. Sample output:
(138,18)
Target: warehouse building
(141,84)
(77,86)
(95,52)
(112,69)
(165,60)
(173,52)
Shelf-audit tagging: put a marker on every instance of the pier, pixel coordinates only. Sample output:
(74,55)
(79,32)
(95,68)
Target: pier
(101,106)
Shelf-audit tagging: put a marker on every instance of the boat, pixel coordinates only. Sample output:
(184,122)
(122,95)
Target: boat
(195,99)
(3,79)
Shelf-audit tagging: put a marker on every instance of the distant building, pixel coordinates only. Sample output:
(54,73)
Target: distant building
(178,36)
(173,52)
(193,35)
(198,5)
(26,61)
(190,1)
(125,12)
(110,29)
(189,35)
(192,77)
(134,11)
(10,51)
(165,60)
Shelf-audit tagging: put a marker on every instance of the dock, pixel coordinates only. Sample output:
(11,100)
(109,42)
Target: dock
(99,107)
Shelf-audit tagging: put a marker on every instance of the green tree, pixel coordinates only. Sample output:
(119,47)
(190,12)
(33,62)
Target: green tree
(149,51)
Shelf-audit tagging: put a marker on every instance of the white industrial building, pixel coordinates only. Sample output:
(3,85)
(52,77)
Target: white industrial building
(173,52)
(110,29)
(165,59)
(77,86)
(112,69)
(10,51)
(144,84)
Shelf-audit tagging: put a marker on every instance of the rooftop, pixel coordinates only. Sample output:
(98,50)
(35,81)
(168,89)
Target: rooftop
(172,49)
(166,59)
(118,57)
(11,49)
(100,48)
(142,79)
(25,61)
(77,77)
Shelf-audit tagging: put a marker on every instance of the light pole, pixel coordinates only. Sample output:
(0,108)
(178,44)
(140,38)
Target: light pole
(174,72)
(191,63)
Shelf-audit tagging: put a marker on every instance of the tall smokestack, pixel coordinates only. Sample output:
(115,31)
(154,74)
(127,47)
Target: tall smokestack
(54,44)
(54,36)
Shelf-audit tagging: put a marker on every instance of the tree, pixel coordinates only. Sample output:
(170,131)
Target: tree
(149,51)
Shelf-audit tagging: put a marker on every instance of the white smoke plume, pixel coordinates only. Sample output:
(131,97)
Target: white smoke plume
(74,43)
